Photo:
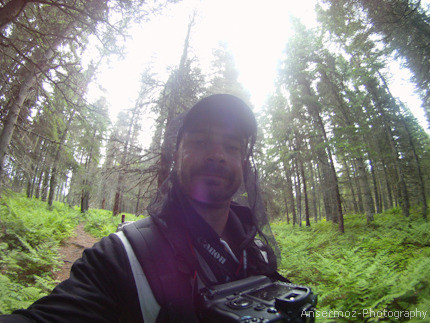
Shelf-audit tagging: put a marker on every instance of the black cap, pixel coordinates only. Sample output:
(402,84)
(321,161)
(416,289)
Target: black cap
(224,109)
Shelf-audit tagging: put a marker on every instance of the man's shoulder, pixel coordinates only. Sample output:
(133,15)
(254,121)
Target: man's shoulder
(144,229)
(144,223)
(141,223)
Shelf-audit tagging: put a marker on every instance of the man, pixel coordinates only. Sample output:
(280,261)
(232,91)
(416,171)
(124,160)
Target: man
(196,236)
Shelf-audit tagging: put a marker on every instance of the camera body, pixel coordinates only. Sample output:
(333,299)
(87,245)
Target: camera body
(257,299)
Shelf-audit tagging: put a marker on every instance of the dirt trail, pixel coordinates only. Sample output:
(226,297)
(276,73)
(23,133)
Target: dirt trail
(72,249)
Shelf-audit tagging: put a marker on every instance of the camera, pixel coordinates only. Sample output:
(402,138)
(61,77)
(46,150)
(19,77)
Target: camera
(257,299)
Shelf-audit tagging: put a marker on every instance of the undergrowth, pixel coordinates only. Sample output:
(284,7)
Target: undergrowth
(380,267)
(100,223)
(30,234)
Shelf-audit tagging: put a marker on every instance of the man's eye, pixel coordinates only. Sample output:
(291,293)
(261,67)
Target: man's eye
(199,142)
(233,147)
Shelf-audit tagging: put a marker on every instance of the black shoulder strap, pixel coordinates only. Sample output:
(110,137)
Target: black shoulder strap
(171,287)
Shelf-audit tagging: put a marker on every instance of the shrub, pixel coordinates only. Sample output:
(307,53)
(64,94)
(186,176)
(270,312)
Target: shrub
(100,223)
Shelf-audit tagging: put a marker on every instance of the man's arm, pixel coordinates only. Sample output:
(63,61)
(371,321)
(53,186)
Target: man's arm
(100,289)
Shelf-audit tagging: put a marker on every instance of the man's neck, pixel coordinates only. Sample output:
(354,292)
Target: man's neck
(215,215)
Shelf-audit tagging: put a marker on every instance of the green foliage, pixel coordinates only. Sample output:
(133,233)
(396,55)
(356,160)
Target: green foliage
(100,223)
(382,267)
(30,234)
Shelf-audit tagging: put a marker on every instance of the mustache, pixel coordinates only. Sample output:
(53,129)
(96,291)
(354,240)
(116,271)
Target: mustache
(213,169)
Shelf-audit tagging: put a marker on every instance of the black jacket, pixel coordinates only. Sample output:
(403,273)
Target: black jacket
(101,287)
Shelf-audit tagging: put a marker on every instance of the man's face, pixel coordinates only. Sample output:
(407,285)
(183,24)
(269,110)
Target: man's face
(209,164)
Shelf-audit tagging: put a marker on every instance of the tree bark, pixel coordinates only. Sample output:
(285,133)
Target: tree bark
(10,11)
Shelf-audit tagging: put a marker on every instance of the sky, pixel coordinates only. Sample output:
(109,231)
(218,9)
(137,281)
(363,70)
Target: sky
(255,32)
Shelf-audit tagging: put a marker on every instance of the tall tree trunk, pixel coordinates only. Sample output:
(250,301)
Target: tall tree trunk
(33,72)
(55,163)
(119,188)
(404,195)
(298,191)
(358,186)
(45,184)
(367,194)
(414,152)
(375,187)
(305,193)
(301,174)
(336,91)
(314,195)
(118,202)
(333,176)
(85,199)
(381,100)
(351,186)
(389,192)
(172,103)
(286,206)
(39,184)
(421,182)
(290,191)
(137,209)
(314,110)
(28,191)
(42,151)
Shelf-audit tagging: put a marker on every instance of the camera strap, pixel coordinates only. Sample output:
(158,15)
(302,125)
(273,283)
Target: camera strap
(168,276)
(225,264)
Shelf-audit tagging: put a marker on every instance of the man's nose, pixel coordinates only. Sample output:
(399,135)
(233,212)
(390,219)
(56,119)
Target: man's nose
(216,152)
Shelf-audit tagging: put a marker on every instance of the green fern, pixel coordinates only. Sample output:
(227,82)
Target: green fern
(385,266)
(100,223)
(30,234)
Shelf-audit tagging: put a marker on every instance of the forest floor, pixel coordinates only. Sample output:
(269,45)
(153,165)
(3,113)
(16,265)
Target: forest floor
(72,249)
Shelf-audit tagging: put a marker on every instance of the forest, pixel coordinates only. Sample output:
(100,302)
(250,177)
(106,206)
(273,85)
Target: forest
(335,146)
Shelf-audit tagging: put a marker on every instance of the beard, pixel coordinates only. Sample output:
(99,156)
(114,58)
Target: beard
(210,183)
